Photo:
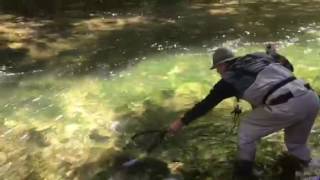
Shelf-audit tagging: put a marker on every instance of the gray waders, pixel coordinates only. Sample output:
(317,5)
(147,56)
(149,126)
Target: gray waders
(292,107)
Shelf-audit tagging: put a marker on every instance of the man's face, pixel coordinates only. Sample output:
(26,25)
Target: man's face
(221,68)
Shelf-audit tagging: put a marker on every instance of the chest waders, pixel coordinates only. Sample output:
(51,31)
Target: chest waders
(245,76)
(246,70)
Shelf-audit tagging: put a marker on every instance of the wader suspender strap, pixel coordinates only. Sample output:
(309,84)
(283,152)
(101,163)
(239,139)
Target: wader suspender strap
(277,86)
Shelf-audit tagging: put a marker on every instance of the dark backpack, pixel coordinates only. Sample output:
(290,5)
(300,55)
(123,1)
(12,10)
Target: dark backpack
(252,64)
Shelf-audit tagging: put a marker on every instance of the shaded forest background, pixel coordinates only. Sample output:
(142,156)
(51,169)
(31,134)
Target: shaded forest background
(58,7)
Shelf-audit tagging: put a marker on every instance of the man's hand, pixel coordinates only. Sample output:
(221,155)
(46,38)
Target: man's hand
(175,127)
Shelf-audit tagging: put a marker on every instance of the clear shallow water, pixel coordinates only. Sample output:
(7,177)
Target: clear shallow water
(58,123)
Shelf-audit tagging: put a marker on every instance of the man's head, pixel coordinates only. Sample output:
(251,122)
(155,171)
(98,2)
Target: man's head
(220,58)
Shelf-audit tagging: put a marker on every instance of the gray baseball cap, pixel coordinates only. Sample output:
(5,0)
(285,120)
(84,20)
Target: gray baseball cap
(221,55)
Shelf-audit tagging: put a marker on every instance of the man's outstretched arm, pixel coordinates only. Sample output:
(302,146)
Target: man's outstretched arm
(219,92)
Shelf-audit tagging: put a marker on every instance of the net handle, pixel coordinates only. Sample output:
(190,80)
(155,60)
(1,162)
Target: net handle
(153,145)
(148,132)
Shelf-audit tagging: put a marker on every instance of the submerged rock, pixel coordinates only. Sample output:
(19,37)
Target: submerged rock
(142,169)
(96,136)
(3,158)
(36,137)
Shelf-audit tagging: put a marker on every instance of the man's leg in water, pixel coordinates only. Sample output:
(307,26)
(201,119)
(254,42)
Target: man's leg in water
(265,120)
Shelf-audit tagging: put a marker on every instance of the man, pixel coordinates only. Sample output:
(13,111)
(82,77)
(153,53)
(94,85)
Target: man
(279,101)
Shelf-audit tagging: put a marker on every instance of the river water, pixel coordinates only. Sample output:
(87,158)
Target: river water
(74,89)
